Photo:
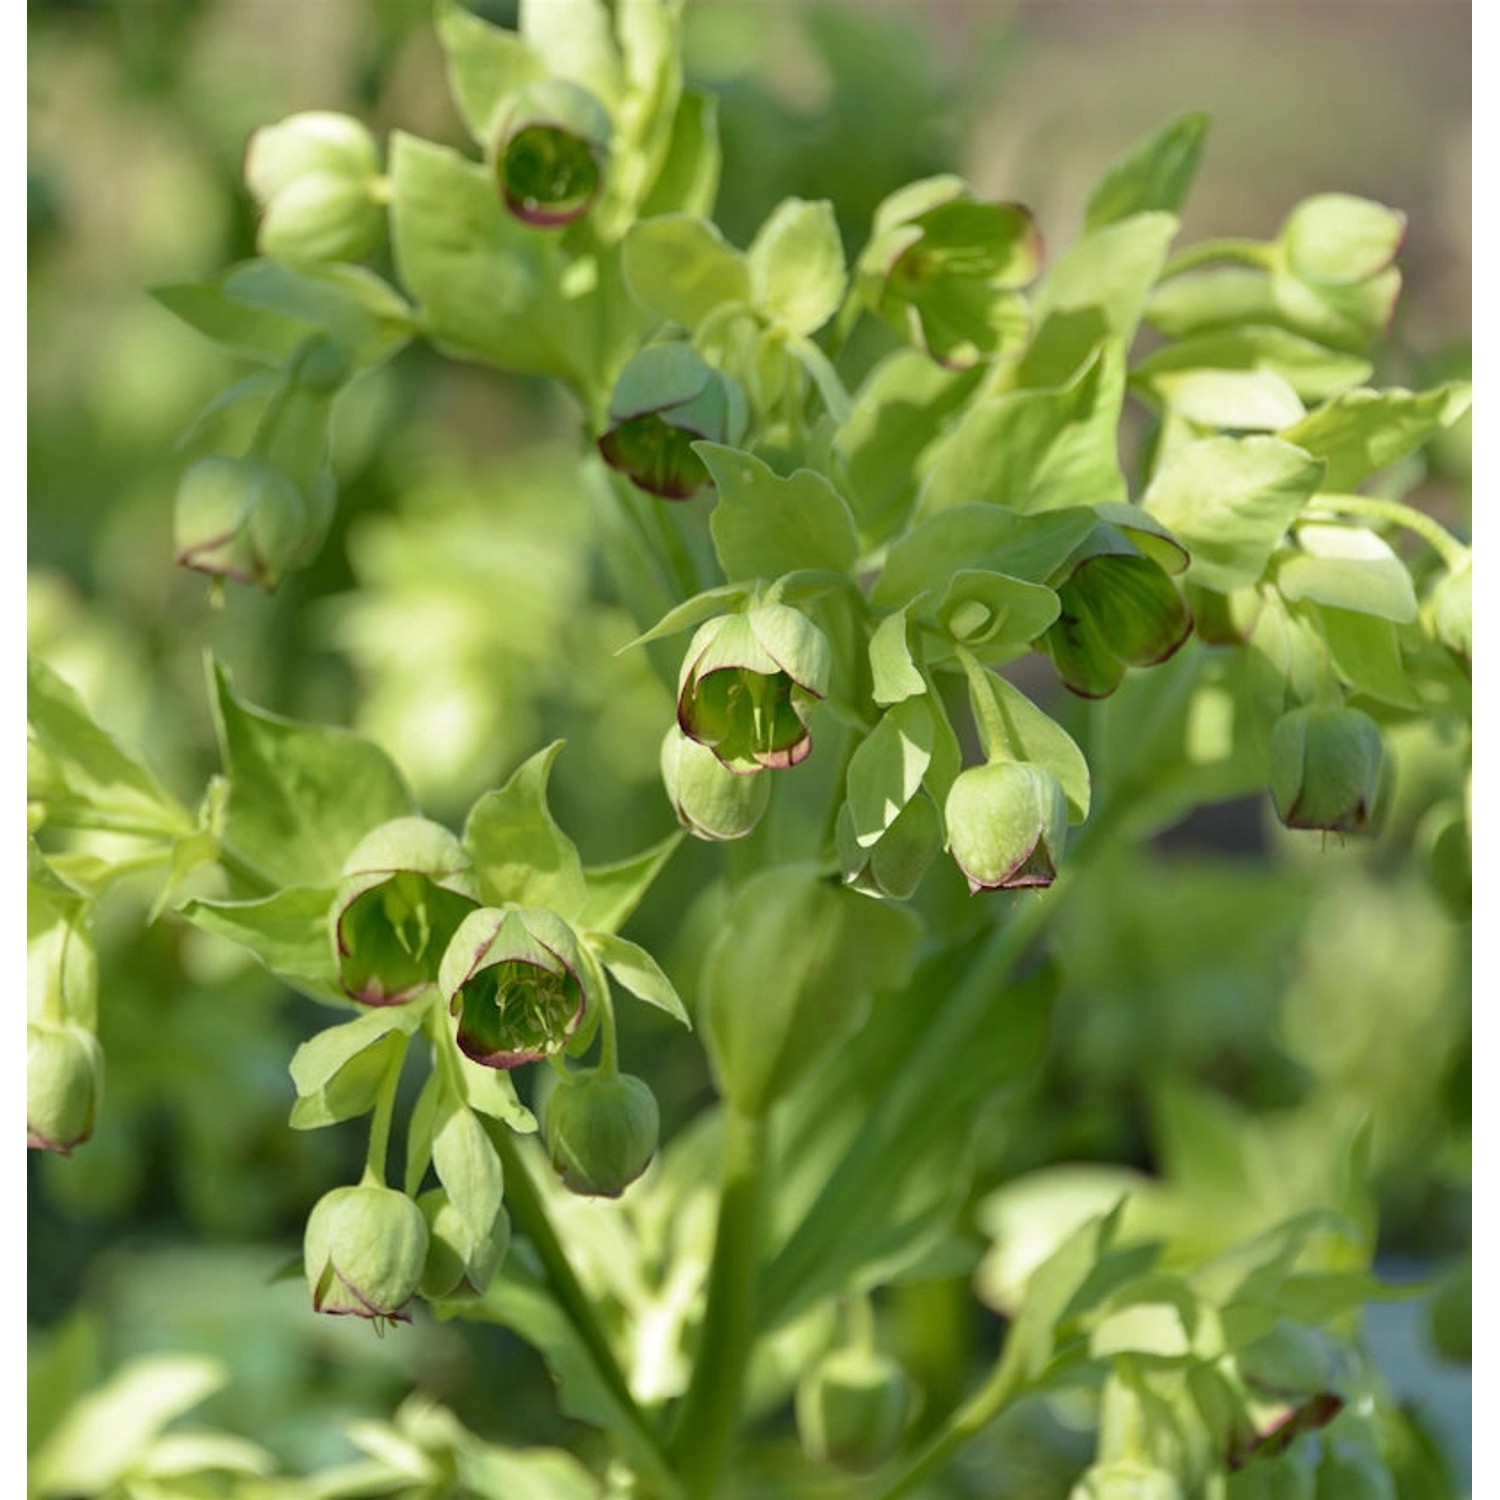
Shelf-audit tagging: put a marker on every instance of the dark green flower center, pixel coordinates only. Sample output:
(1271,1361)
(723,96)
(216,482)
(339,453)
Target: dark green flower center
(517,1011)
(655,456)
(549,175)
(746,716)
(392,938)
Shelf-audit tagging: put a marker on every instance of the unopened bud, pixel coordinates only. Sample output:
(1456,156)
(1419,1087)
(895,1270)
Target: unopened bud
(236,518)
(1007,823)
(1325,768)
(711,801)
(852,1409)
(601,1132)
(364,1252)
(64,1083)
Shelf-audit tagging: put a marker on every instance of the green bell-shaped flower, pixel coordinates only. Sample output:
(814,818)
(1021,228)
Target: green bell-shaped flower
(458,1266)
(364,1252)
(517,980)
(667,398)
(551,149)
(711,801)
(601,1131)
(316,177)
(748,683)
(1007,823)
(236,518)
(942,268)
(1326,768)
(404,891)
(852,1408)
(64,1084)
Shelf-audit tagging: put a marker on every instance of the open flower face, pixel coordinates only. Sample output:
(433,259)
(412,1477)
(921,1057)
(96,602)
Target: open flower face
(551,153)
(516,980)
(406,888)
(748,684)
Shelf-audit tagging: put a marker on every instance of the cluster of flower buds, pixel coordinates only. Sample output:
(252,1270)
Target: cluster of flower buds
(316,178)
(551,148)
(667,398)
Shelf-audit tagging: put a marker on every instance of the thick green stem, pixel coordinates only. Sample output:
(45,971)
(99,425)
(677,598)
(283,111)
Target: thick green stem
(1394,513)
(529,1212)
(380,1121)
(710,1414)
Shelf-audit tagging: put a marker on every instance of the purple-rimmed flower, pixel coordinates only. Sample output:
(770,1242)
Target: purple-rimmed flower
(1007,822)
(64,1082)
(667,398)
(551,149)
(517,981)
(236,518)
(404,891)
(942,267)
(1326,768)
(363,1253)
(748,684)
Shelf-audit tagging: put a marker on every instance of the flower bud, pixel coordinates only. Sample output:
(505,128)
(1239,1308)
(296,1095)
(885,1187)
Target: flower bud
(364,1252)
(852,1408)
(1126,1479)
(748,684)
(404,891)
(456,1268)
(894,865)
(236,518)
(1325,768)
(315,177)
(711,801)
(64,1083)
(667,398)
(941,268)
(601,1132)
(552,144)
(517,981)
(1007,823)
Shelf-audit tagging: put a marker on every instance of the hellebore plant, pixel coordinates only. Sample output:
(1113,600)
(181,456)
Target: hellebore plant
(889,504)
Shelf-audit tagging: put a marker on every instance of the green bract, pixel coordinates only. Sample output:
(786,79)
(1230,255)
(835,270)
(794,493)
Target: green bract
(941,267)
(852,1408)
(237,518)
(1326,768)
(551,147)
(364,1252)
(1007,823)
(748,683)
(667,398)
(316,178)
(601,1131)
(455,1267)
(518,983)
(64,1082)
(711,801)
(401,895)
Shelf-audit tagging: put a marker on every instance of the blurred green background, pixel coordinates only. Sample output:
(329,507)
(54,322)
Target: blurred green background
(460,614)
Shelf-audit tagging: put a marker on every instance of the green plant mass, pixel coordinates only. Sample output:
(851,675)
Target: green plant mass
(715,815)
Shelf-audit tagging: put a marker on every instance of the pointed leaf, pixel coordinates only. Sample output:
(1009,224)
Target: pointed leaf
(634,968)
(887,768)
(614,891)
(1350,568)
(796,261)
(288,932)
(892,667)
(1155,173)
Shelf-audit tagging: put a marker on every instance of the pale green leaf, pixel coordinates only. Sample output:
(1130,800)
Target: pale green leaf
(1367,653)
(1034,736)
(1155,173)
(796,260)
(1112,268)
(1336,237)
(1350,568)
(469,1169)
(633,967)
(338,1072)
(1231,400)
(1314,371)
(485,63)
(680,268)
(1364,431)
(288,932)
(887,768)
(894,672)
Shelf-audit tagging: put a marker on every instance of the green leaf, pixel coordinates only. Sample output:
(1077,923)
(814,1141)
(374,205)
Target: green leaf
(469,1168)
(339,1071)
(796,261)
(688,181)
(892,667)
(616,890)
(680,268)
(1034,736)
(634,968)
(288,932)
(692,612)
(886,770)
(1335,237)
(1314,371)
(1367,653)
(520,855)
(1155,173)
(575,40)
(1364,431)
(1231,400)
(491,1473)
(300,795)
(102,780)
(992,612)
(979,536)
(897,412)
(1032,450)
(764,525)
(1113,269)
(485,63)
(1350,568)
(491,1091)
(1230,501)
